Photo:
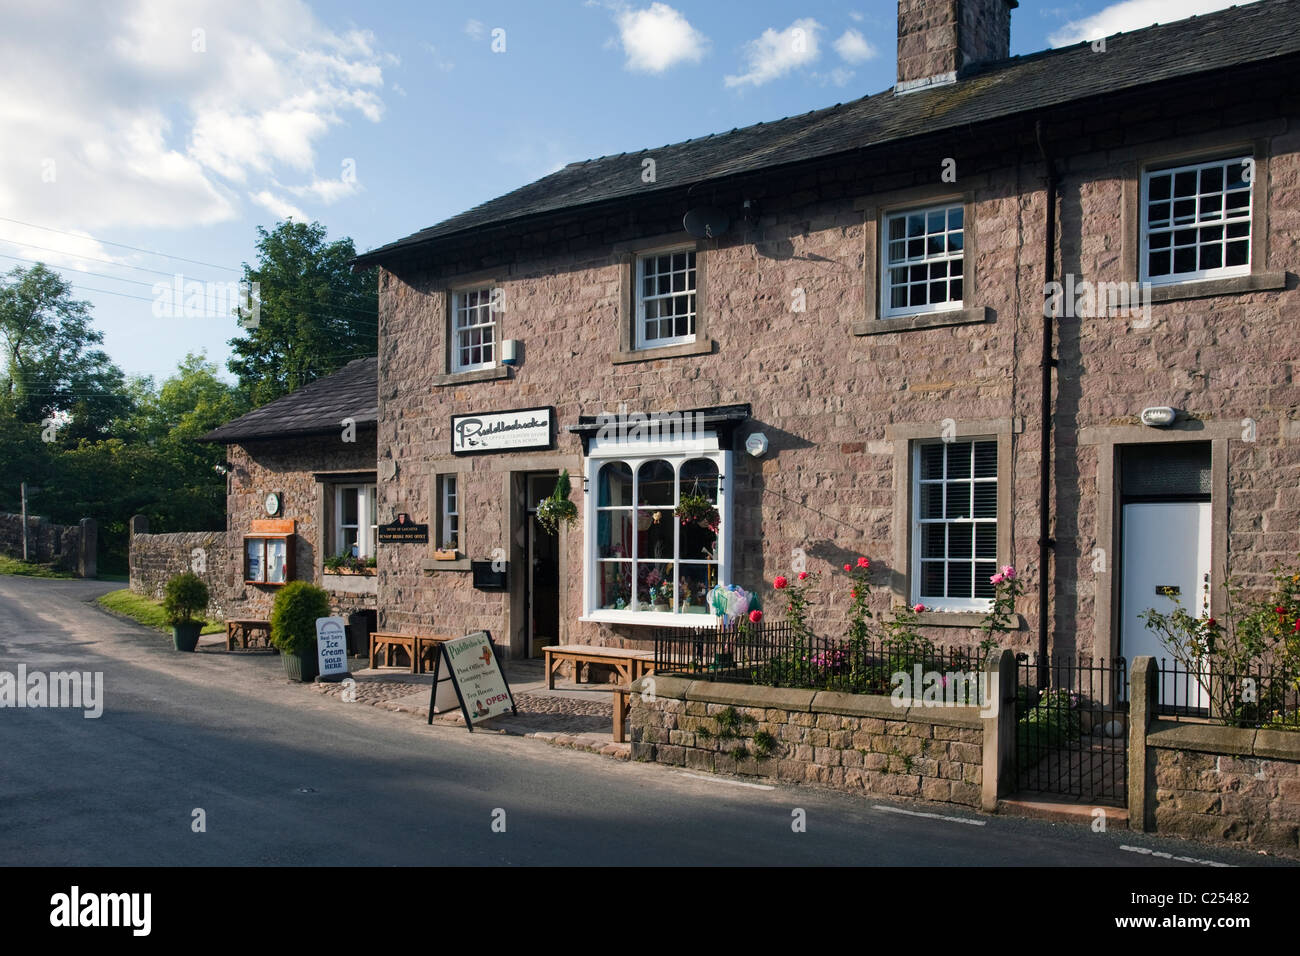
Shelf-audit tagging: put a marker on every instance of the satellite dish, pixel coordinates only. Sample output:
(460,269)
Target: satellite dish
(706,222)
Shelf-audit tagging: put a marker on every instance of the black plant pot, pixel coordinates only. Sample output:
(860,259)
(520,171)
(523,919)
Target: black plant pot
(300,666)
(185,636)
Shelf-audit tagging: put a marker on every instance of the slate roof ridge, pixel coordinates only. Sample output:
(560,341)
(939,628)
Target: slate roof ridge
(883,117)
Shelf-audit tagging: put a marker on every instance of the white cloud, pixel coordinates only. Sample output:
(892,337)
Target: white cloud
(775,54)
(659,37)
(475,29)
(1133,15)
(839,76)
(855,16)
(280,208)
(853,47)
(326,191)
(152,113)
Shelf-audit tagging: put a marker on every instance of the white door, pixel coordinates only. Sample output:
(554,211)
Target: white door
(1166,544)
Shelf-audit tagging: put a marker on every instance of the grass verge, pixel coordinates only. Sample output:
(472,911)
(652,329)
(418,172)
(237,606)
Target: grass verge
(29,569)
(147,611)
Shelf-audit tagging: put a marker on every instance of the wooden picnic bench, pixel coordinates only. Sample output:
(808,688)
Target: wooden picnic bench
(387,642)
(244,629)
(419,648)
(630,664)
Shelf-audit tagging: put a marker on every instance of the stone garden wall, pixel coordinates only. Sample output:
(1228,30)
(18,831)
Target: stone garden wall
(850,742)
(154,558)
(56,544)
(1226,783)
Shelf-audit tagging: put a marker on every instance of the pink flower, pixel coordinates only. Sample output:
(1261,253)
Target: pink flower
(847,568)
(755,616)
(996,579)
(863,563)
(918,608)
(802,575)
(853,594)
(780,582)
(1008,572)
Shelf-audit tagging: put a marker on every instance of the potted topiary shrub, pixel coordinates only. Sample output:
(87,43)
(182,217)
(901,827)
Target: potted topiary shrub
(293,627)
(185,598)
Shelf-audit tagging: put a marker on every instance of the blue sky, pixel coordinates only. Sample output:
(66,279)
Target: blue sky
(179,127)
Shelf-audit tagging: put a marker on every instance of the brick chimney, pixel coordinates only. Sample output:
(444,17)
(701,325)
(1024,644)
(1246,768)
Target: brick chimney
(938,39)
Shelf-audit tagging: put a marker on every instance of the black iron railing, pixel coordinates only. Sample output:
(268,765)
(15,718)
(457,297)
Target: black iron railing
(777,655)
(1259,695)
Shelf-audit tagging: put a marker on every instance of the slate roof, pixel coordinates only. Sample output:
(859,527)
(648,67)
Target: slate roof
(315,409)
(1237,36)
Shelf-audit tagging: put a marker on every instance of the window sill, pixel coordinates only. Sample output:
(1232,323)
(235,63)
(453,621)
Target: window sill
(650,618)
(928,320)
(702,347)
(969,619)
(433,564)
(479,375)
(1204,288)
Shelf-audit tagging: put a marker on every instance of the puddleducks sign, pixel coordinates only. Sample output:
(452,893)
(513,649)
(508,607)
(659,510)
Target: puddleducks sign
(525,428)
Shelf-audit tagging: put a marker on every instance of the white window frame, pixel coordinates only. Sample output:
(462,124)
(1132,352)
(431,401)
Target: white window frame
(603,451)
(367,517)
(933,602)
(887,311)
(1245,215)
(455,330)
(638,276)
(448,506)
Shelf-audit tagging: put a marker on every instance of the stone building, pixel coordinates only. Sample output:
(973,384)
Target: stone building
(849,305)
(301,490)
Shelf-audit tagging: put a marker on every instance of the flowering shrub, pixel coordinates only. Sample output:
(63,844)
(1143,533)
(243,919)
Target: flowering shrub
(859,601)
(796,602)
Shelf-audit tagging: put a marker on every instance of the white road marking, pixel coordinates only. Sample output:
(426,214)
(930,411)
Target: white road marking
(930,816)
(734,783)
(1169,856)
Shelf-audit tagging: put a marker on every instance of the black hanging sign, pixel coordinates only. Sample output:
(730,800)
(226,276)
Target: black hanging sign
(403,531)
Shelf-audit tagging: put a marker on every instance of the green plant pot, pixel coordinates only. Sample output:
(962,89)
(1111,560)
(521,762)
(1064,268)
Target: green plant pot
(186,636)
(300,666)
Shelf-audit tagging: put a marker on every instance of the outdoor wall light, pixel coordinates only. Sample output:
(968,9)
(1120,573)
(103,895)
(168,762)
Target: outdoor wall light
(756,445)
(1159,416)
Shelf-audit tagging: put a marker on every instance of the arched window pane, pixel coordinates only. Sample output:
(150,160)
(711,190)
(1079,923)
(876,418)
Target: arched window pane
(615,485)
(700,477)
(657,483)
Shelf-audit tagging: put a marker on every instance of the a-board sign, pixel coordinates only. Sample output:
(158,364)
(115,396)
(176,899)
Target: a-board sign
(403,531)
(476,675)
(332,647)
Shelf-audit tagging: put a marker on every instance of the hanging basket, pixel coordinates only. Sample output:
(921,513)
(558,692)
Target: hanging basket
(557,509)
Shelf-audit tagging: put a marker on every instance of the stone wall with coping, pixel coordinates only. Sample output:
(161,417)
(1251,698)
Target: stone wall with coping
(853,742)
(47,543)
(156,558)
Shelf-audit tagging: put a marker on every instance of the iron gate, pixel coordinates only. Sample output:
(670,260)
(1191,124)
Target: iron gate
(1072,728)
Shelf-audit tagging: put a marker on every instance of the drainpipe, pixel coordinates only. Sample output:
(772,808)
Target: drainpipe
(1045,542)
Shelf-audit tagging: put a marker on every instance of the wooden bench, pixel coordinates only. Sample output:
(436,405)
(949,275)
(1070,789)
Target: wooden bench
(387,642)
(426,645)
(245,629)
(630,664)
(621,710)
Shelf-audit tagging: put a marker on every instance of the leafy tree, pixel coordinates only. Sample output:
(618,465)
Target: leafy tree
(51,364)
(316,314)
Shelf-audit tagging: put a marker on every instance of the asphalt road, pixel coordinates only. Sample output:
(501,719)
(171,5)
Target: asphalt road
(286,776)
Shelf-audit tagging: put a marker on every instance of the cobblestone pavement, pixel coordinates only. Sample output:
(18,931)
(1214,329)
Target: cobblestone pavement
(560,721)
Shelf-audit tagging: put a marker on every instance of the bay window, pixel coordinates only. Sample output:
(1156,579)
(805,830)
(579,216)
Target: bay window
(644,564)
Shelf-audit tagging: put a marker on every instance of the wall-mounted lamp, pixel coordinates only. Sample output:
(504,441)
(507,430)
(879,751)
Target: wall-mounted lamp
(1159,416)
(510,352)
(756,445)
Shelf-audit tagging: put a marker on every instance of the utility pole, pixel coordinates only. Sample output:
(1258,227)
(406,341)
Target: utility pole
(24,491)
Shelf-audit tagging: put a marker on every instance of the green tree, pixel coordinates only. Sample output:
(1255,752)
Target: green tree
(51,364)
(315,313)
